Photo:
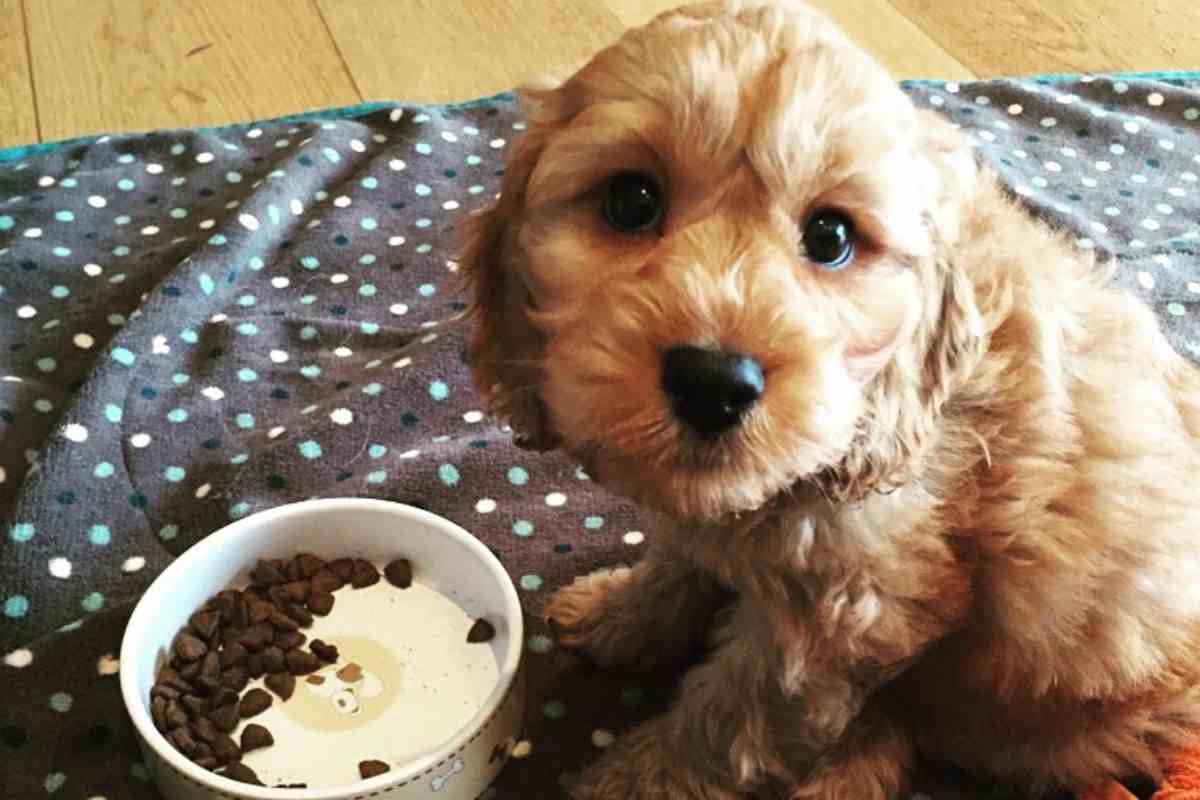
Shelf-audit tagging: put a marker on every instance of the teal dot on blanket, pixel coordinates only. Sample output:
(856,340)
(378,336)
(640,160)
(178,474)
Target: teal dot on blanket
(61,252)
(178,213)
(369,223)
(168,532)
(377,451)
(308,332)
(439,391)
(46,364)
(126,185)
(244,421)
(369,328)
(593,523)
(177,415)
(474,160)
(369,183)
(16,606)
(424,248)
(120,251)
(531,583)
(217,239)
(180,378)
(423,148)
(523,528)
(247,375)
(240,458)
(21,532)
(247,300)
(247,329)
(126,158)
(310,371)
(422,190)
(123,356)
(256,263)
(60,292)
(310,262)
(426,290)
(189,336)
(310,450)
(378,476)
(99,535)
(61,702)
(239,510)
(331,155)
(174,474)
(372,389)
(367,290)
(448,474)
(93,602)
(103,470)
(517,476)
(113,413)
(540,644)
(233,177)
(366,259)
(554,709)
(64,216)
(6,222)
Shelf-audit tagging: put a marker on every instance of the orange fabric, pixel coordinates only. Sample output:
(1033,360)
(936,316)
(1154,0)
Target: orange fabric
(1181,775)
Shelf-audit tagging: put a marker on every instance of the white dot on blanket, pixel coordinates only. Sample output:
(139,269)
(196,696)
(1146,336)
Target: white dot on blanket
(342,416)
(75,432)
(1154,99)
(555,499)
(19,659)
(60,568)
(212,392)
(248,221)
(140,440)
(92,270)
(26,312)
(133,564)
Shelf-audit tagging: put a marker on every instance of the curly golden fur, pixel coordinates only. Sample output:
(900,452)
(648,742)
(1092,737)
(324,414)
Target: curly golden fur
(960,521)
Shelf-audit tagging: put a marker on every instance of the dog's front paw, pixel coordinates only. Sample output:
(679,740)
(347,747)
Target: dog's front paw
(639,767)
(590,615)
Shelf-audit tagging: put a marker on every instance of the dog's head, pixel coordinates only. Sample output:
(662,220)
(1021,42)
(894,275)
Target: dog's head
(718,265)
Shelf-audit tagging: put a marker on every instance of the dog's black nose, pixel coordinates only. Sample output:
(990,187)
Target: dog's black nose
(710,391)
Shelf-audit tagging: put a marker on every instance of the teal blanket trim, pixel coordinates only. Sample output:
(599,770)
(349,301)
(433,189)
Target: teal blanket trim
(362,109)
(343,112)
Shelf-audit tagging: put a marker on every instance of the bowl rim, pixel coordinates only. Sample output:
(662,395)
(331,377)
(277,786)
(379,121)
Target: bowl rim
(138,711)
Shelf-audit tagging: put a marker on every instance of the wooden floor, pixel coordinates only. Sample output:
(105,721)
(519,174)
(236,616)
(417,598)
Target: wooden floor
(73,67)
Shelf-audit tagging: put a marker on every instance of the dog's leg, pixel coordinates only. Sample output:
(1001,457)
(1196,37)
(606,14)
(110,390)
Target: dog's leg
(733,729)
(643,616)
(873,761)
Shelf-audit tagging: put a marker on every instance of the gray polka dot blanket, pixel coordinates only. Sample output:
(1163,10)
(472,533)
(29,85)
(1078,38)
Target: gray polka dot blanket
(198,325)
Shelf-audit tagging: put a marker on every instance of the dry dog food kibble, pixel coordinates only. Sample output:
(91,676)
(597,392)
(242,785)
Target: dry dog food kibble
(370,768)
(481,631)
(204,693)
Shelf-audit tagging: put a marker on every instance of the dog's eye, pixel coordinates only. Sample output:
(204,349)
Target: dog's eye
(829,239)
(632,202)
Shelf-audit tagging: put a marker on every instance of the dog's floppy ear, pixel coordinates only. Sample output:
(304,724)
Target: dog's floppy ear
(957,340)
(505,349)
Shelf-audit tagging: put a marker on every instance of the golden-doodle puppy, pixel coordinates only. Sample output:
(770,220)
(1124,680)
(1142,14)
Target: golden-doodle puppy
(946,473)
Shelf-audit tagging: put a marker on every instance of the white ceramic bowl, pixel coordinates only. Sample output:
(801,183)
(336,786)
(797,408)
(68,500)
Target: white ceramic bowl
(444,557)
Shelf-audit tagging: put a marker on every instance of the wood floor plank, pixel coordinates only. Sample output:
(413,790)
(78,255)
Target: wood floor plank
(902,47)
(1012,37)
(18,121)
(437,51)
(119,65)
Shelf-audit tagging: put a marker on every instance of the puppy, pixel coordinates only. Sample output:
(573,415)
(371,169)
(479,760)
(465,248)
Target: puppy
(946,471)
